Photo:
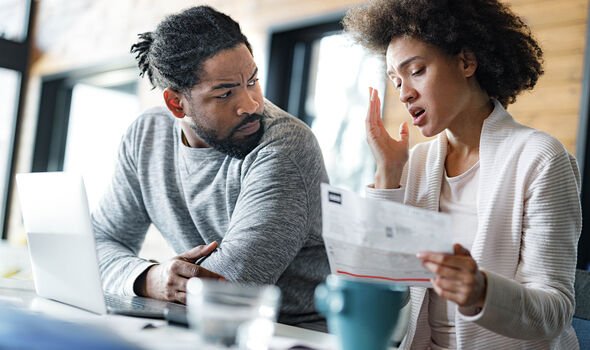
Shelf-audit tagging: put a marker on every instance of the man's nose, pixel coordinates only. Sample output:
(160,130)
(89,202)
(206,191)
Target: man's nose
(248,104)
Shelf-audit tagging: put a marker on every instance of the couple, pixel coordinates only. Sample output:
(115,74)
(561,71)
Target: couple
(222,164)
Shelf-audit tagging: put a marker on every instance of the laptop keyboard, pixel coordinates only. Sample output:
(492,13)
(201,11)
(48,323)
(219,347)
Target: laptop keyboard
(121,302)
(136,306)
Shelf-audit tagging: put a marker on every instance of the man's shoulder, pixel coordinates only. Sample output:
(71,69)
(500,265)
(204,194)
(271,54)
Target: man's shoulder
(158,114)
(154,124)
(284,132)
(152,120)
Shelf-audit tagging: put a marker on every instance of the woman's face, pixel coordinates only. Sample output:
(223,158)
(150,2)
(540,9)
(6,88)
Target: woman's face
(435,88)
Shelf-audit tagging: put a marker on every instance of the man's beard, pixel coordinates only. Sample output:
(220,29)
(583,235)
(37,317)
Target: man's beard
(233,148)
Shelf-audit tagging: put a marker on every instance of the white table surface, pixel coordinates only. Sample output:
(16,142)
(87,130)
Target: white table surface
(18,290)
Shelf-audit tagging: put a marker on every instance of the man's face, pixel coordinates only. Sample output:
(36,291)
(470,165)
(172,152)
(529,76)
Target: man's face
(225,109)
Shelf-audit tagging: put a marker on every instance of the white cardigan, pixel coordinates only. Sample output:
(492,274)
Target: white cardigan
(529,222)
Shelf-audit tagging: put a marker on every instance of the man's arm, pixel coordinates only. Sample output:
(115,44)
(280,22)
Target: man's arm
(120,223)
(278,208)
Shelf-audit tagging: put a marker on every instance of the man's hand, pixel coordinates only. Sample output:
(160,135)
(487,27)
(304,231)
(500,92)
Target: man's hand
(167,281)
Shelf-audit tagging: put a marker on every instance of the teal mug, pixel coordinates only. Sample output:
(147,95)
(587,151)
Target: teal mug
(361,314)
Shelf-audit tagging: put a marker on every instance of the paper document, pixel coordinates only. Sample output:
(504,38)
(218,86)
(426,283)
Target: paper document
(377,239)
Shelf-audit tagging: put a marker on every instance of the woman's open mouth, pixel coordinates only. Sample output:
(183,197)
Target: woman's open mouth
(418,115)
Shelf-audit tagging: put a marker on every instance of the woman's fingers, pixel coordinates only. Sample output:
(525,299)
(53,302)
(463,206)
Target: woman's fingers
(457,277)
(454,261)
(404,133)
(373,119)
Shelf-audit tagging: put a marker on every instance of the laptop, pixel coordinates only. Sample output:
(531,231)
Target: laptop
(62,248)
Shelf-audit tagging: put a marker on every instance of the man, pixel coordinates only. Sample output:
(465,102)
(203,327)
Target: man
(222,171)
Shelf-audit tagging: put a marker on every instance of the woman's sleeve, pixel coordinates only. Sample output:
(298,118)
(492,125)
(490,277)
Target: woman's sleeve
(539,302)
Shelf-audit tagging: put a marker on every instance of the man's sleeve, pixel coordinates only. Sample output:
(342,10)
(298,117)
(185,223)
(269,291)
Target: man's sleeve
(120,223)
(278,206)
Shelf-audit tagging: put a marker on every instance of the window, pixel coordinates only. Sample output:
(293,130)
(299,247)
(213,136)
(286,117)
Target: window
(15,24)
(98,118)
(337,98)
(14,19)
(317,74)
(82,118)
(9,85)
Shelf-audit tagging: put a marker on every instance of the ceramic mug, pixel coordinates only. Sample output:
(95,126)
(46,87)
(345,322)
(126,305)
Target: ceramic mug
(362,314)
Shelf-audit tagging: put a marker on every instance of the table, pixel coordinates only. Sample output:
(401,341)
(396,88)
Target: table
(18,290)
(146,333)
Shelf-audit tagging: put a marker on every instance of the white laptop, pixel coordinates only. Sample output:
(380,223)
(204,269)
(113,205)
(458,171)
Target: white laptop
(62,247)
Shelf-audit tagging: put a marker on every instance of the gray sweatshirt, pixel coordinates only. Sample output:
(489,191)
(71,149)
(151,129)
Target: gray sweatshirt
(264,209)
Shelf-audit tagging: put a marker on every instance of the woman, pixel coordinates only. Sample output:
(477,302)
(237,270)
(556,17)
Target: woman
(512,191)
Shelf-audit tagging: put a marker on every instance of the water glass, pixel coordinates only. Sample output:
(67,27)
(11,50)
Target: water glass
(219,309)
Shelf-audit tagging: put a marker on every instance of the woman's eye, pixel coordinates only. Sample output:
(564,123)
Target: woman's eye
(417,72)
(227,94)
(252,82)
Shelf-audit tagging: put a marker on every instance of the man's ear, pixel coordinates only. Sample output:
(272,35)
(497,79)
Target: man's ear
(173,101)
(468,62)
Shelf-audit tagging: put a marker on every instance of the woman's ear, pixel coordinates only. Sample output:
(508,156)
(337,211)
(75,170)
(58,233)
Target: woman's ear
(173,100)
(468,62)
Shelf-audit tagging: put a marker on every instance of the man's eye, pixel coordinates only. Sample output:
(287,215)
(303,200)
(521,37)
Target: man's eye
(226,95)
(252,82)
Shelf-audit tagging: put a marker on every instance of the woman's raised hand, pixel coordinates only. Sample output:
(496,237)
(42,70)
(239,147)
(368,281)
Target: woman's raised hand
(390,155)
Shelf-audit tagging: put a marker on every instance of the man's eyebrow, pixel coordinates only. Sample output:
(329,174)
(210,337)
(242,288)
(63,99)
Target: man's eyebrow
(253,74)
(232,85)
(403,64)
(225,86)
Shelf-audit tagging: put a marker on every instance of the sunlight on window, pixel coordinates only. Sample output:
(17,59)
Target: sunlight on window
(13,19)
(98,120)
(9,87)
(338,98)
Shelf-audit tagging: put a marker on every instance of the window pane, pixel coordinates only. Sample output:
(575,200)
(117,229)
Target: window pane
(9,88)
(338,99)
(98,118)
(13,19)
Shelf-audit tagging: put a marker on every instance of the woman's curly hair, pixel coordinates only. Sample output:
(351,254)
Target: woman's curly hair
(509,58)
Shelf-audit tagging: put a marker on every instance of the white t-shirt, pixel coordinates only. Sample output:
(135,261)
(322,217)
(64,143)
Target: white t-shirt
(459,199)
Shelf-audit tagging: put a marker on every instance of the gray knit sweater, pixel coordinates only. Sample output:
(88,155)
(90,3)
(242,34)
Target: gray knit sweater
(264,209)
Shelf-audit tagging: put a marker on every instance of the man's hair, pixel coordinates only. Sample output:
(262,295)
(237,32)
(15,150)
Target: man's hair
(509,58)
(173,55)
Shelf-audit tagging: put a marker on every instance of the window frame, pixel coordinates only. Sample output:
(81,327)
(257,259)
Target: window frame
(291,47)
(54,112)
(16,56)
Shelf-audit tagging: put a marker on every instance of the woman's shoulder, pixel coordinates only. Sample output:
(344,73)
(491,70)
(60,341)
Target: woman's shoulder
(531,143)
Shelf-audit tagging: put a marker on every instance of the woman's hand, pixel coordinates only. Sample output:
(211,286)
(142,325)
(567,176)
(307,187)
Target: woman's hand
(457,276)
(390,155)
